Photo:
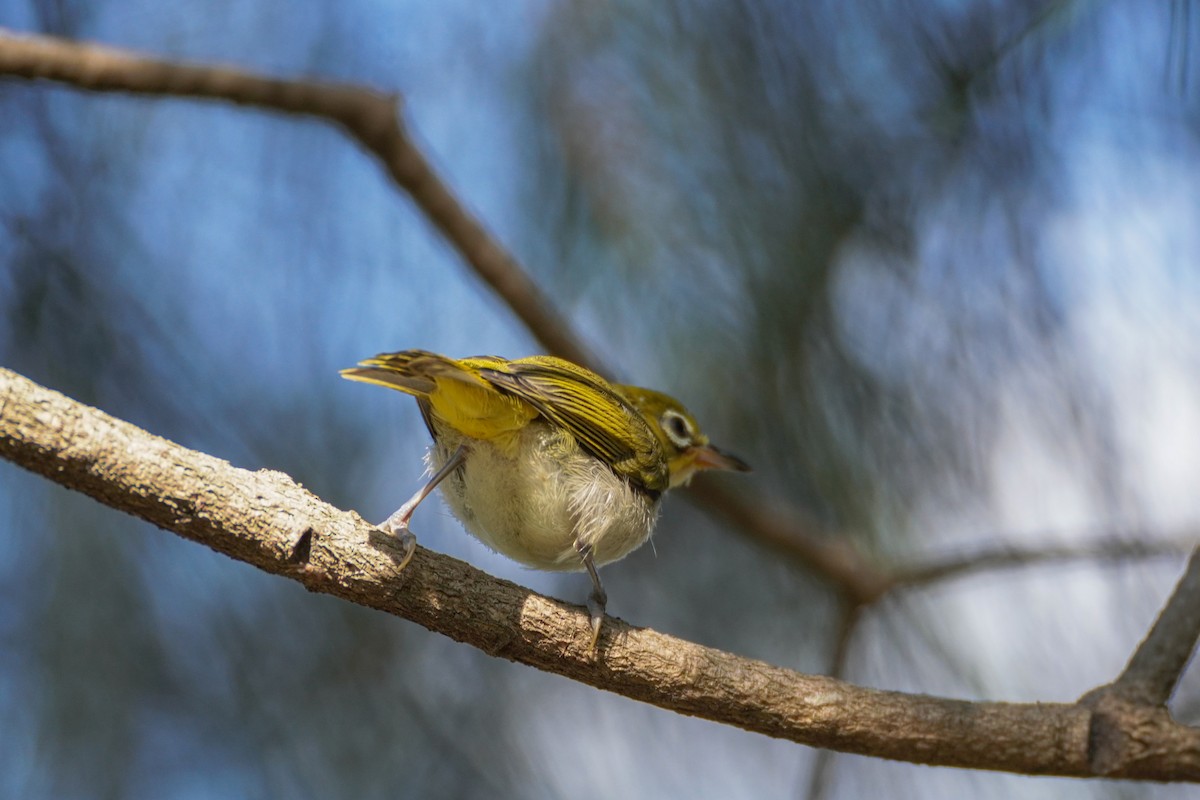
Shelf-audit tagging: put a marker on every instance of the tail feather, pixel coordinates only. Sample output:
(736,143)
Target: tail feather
(414,372)
(410,384)
(450,392)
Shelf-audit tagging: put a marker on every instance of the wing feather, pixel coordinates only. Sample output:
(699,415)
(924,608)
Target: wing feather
(586,405)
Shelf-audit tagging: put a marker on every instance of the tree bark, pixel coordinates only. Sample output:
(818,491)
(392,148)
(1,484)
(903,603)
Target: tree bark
(265,519)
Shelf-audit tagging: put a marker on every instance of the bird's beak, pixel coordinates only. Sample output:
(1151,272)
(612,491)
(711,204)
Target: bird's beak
(709,456)
(700,457)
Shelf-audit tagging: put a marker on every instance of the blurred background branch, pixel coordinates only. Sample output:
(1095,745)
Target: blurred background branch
(369,117)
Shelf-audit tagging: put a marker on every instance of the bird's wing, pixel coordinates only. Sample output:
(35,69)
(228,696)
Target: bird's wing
(584,404)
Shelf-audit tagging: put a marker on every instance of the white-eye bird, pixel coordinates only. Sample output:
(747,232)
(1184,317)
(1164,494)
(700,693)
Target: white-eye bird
(544,461)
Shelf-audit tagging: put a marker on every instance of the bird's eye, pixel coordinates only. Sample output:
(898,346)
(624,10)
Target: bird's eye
(677,428)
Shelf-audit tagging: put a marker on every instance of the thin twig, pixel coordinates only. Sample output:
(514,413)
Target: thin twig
(820,776)
(1009,556)
(1156,666)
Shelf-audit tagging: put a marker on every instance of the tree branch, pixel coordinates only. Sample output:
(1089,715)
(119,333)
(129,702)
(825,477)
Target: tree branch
(789,531)
(266,520)
(370,117)
(1008,556)
(1156,666)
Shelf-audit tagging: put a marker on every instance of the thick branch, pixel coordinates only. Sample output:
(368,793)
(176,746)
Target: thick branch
(265,519)
(370,117)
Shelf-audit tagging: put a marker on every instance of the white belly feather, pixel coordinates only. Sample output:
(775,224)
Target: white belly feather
(536,508)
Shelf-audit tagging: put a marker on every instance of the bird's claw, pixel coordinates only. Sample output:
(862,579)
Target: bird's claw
(597,601)
(397,526)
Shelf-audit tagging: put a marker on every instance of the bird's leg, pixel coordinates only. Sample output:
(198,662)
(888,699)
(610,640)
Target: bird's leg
(397,523)
(598,599)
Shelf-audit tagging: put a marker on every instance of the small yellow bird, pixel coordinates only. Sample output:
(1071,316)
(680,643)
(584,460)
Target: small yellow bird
(545,461)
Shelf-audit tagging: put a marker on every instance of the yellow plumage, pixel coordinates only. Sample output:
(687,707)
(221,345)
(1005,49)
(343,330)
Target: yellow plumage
(543,460)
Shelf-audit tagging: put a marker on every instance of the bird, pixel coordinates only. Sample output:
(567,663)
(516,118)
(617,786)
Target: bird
(543,460)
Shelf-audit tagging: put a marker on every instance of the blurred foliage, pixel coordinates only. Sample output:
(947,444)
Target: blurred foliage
(929,266)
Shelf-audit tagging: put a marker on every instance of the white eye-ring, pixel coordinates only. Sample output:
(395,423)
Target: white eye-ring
(678,429)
